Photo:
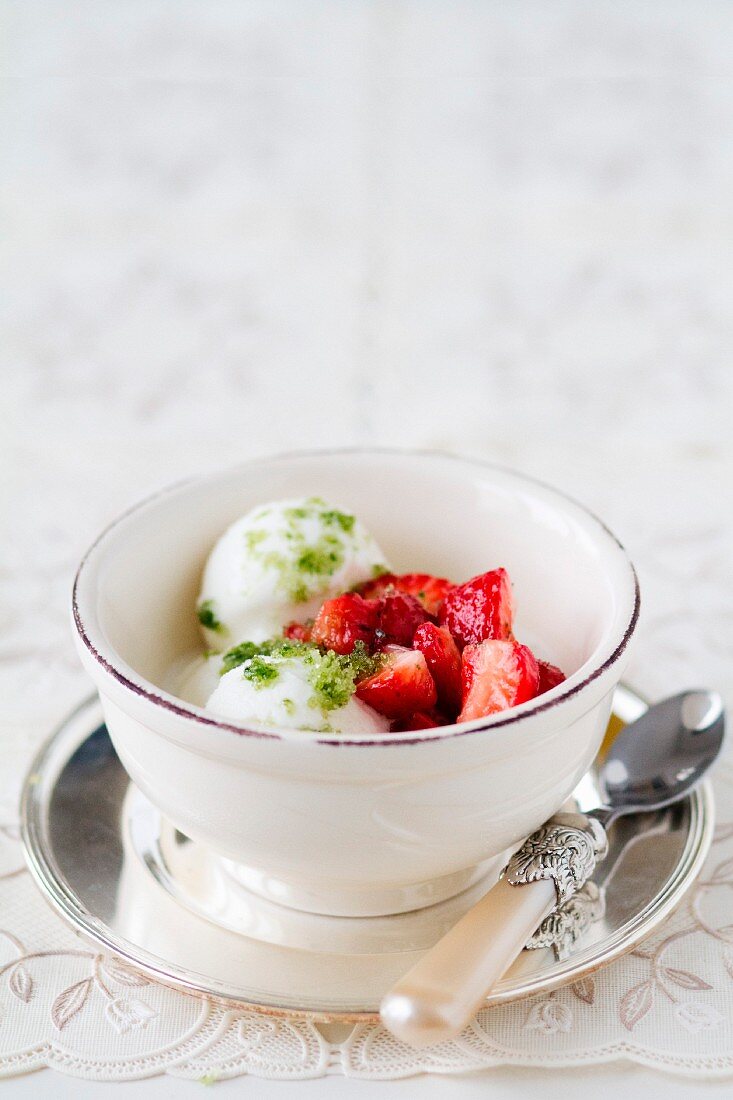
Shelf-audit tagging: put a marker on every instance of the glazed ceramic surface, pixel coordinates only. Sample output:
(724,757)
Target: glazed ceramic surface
(344,825)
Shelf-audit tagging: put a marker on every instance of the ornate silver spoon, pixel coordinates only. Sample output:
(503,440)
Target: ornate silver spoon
(653,762)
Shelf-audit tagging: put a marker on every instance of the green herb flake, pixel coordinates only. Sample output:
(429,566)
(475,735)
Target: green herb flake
(260,671)
(342,519)
(273,559)
(207,616)
(379,571)
(273,647)
(253,538)
(298,592)
(289,706)
(332,683)
(362,663)
(334,677)
(319,559)
(236,656)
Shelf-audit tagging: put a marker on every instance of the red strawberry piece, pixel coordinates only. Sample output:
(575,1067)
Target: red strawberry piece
(344,621)
(497,675)
(444,661)
(402,686)
(298,632)
(417,721)
(398,617)
(375,589)
(550,676)
(479,609)
(429,590)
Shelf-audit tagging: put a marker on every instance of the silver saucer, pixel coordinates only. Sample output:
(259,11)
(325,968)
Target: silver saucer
(126,879)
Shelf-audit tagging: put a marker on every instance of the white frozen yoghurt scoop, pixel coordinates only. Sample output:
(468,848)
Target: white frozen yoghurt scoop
(277,564)
(307,691)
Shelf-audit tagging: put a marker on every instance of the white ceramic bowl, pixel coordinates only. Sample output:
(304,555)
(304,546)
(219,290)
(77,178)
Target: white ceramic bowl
(342,824)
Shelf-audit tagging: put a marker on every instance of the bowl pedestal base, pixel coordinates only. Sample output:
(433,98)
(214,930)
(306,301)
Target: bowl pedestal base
(339,900)
(248,902)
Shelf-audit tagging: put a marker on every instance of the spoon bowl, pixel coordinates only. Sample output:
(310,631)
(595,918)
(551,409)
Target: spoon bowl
(657,759)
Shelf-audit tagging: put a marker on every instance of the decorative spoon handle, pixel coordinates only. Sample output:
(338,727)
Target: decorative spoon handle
(438,996)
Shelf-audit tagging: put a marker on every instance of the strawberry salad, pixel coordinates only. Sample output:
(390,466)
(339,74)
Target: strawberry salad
(308,628)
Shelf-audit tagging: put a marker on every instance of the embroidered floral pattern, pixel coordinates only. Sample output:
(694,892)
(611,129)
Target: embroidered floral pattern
(549,1016)
(670,981)
(673,996)
(121,1012)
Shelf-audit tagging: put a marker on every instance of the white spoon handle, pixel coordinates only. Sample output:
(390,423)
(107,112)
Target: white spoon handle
(436,999)
(439,995)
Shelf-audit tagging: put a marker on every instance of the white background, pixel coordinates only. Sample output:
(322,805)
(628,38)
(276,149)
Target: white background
(498,228)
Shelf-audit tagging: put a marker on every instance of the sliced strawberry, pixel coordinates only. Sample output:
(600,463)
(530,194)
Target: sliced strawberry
(429,590)
(479,609)
(550,676)
(497,675)
(344,621)
(444,661)
(398,617)
(298,632)
(417,721)
(375,589)
(402,686)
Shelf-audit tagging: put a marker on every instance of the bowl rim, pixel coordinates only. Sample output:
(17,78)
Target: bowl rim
(129,679)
